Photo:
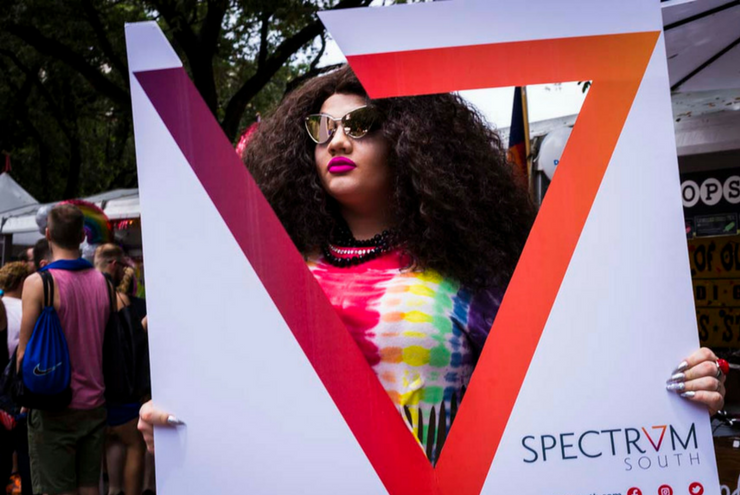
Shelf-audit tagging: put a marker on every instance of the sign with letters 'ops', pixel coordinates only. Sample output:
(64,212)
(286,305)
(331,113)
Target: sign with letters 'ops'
(568,396)
(711,202)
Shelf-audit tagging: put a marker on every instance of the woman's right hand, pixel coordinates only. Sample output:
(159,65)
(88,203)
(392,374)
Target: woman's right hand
(149,416)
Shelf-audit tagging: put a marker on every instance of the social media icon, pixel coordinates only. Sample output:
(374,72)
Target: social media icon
(665,490)
(696,488)
(634,491)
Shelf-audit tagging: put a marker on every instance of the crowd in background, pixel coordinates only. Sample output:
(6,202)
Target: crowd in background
(41,451)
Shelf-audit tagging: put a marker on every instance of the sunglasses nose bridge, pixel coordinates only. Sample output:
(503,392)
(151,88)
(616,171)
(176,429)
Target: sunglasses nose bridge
(335,141)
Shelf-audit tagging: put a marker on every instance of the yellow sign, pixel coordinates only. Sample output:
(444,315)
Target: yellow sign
(715,271)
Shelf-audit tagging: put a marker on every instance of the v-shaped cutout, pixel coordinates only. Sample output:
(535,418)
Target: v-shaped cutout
(379,429)
(662,429)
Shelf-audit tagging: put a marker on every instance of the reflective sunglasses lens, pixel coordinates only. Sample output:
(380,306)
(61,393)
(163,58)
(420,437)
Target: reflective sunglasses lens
(358,123)
(320,128)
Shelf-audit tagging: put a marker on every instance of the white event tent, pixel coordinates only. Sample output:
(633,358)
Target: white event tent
(18,226)
(13,198)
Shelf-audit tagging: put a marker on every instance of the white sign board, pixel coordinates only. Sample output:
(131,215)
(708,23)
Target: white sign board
(569,394)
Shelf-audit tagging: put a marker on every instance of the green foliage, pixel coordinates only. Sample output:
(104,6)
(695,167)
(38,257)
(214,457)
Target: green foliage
(65,115)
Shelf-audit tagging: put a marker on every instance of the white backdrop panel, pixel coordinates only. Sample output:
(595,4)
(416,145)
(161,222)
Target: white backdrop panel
(472,22)
(223,359)
(623,319)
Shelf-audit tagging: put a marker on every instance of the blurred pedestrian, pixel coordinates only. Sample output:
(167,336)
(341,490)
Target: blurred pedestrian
(28,258)
(125,447)
(41,254)
(66,446)
(13,432)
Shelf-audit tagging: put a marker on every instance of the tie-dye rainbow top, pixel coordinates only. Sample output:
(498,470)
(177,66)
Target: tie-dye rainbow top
(421,334)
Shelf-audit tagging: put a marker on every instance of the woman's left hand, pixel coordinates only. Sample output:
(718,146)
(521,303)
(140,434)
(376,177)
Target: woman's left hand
(700,379)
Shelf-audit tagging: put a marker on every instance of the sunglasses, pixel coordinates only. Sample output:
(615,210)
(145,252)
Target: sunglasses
(356,124)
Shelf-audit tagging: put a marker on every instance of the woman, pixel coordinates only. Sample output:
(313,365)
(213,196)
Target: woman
(412,222)
(12,276)
(124,450)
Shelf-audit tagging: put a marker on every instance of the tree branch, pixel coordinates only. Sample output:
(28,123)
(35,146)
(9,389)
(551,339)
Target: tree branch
(21,110)
(210,28)
(72,188)
(125,170)
(283,52)
(70,132)
(200,59)
(181,30)
(105,44)
(310,74)
(33,37)
(32,76)
(238,102)
(317,58)
(264,31)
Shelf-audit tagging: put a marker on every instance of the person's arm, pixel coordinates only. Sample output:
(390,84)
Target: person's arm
(4,356)
(33,301)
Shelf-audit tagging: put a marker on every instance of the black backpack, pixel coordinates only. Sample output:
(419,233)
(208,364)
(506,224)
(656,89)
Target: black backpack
(125,354)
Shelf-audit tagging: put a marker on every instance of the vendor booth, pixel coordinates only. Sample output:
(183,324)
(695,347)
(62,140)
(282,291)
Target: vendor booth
(19,227)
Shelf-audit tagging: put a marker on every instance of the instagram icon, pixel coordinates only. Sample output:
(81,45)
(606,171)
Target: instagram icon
(665,490)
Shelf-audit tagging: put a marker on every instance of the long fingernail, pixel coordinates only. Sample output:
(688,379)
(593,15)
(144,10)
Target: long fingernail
(682,367)
(173,421)
(688,395)
(677,377)
(676,386)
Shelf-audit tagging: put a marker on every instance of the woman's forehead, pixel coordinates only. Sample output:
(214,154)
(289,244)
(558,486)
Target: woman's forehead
(338,105)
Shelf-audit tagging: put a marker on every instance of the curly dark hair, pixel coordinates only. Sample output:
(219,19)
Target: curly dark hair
(458,206)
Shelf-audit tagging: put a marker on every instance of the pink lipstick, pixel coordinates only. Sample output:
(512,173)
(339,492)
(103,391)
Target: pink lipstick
(340,165)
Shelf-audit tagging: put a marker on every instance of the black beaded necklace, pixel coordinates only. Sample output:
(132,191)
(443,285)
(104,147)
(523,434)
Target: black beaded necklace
(345,250)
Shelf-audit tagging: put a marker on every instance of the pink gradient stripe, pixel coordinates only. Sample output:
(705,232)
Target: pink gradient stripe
(353,386)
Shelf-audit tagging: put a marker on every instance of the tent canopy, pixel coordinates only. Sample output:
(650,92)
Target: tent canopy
(12,195)
(702,39)
(117,204)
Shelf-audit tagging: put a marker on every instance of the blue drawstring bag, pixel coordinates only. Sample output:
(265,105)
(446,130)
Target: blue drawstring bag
(46,366)
(43,380)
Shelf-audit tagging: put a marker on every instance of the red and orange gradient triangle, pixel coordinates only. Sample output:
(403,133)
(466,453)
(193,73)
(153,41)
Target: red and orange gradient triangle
(615,64)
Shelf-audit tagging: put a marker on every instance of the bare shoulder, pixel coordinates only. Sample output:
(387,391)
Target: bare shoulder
(33,291)
(33,284)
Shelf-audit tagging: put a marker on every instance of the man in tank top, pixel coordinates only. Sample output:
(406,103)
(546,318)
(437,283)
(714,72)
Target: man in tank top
(66,446)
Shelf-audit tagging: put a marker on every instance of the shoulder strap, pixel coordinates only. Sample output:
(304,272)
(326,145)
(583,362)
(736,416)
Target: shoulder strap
(48,288)
(111,295)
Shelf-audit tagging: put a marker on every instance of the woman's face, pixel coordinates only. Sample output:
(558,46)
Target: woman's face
(355,172)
